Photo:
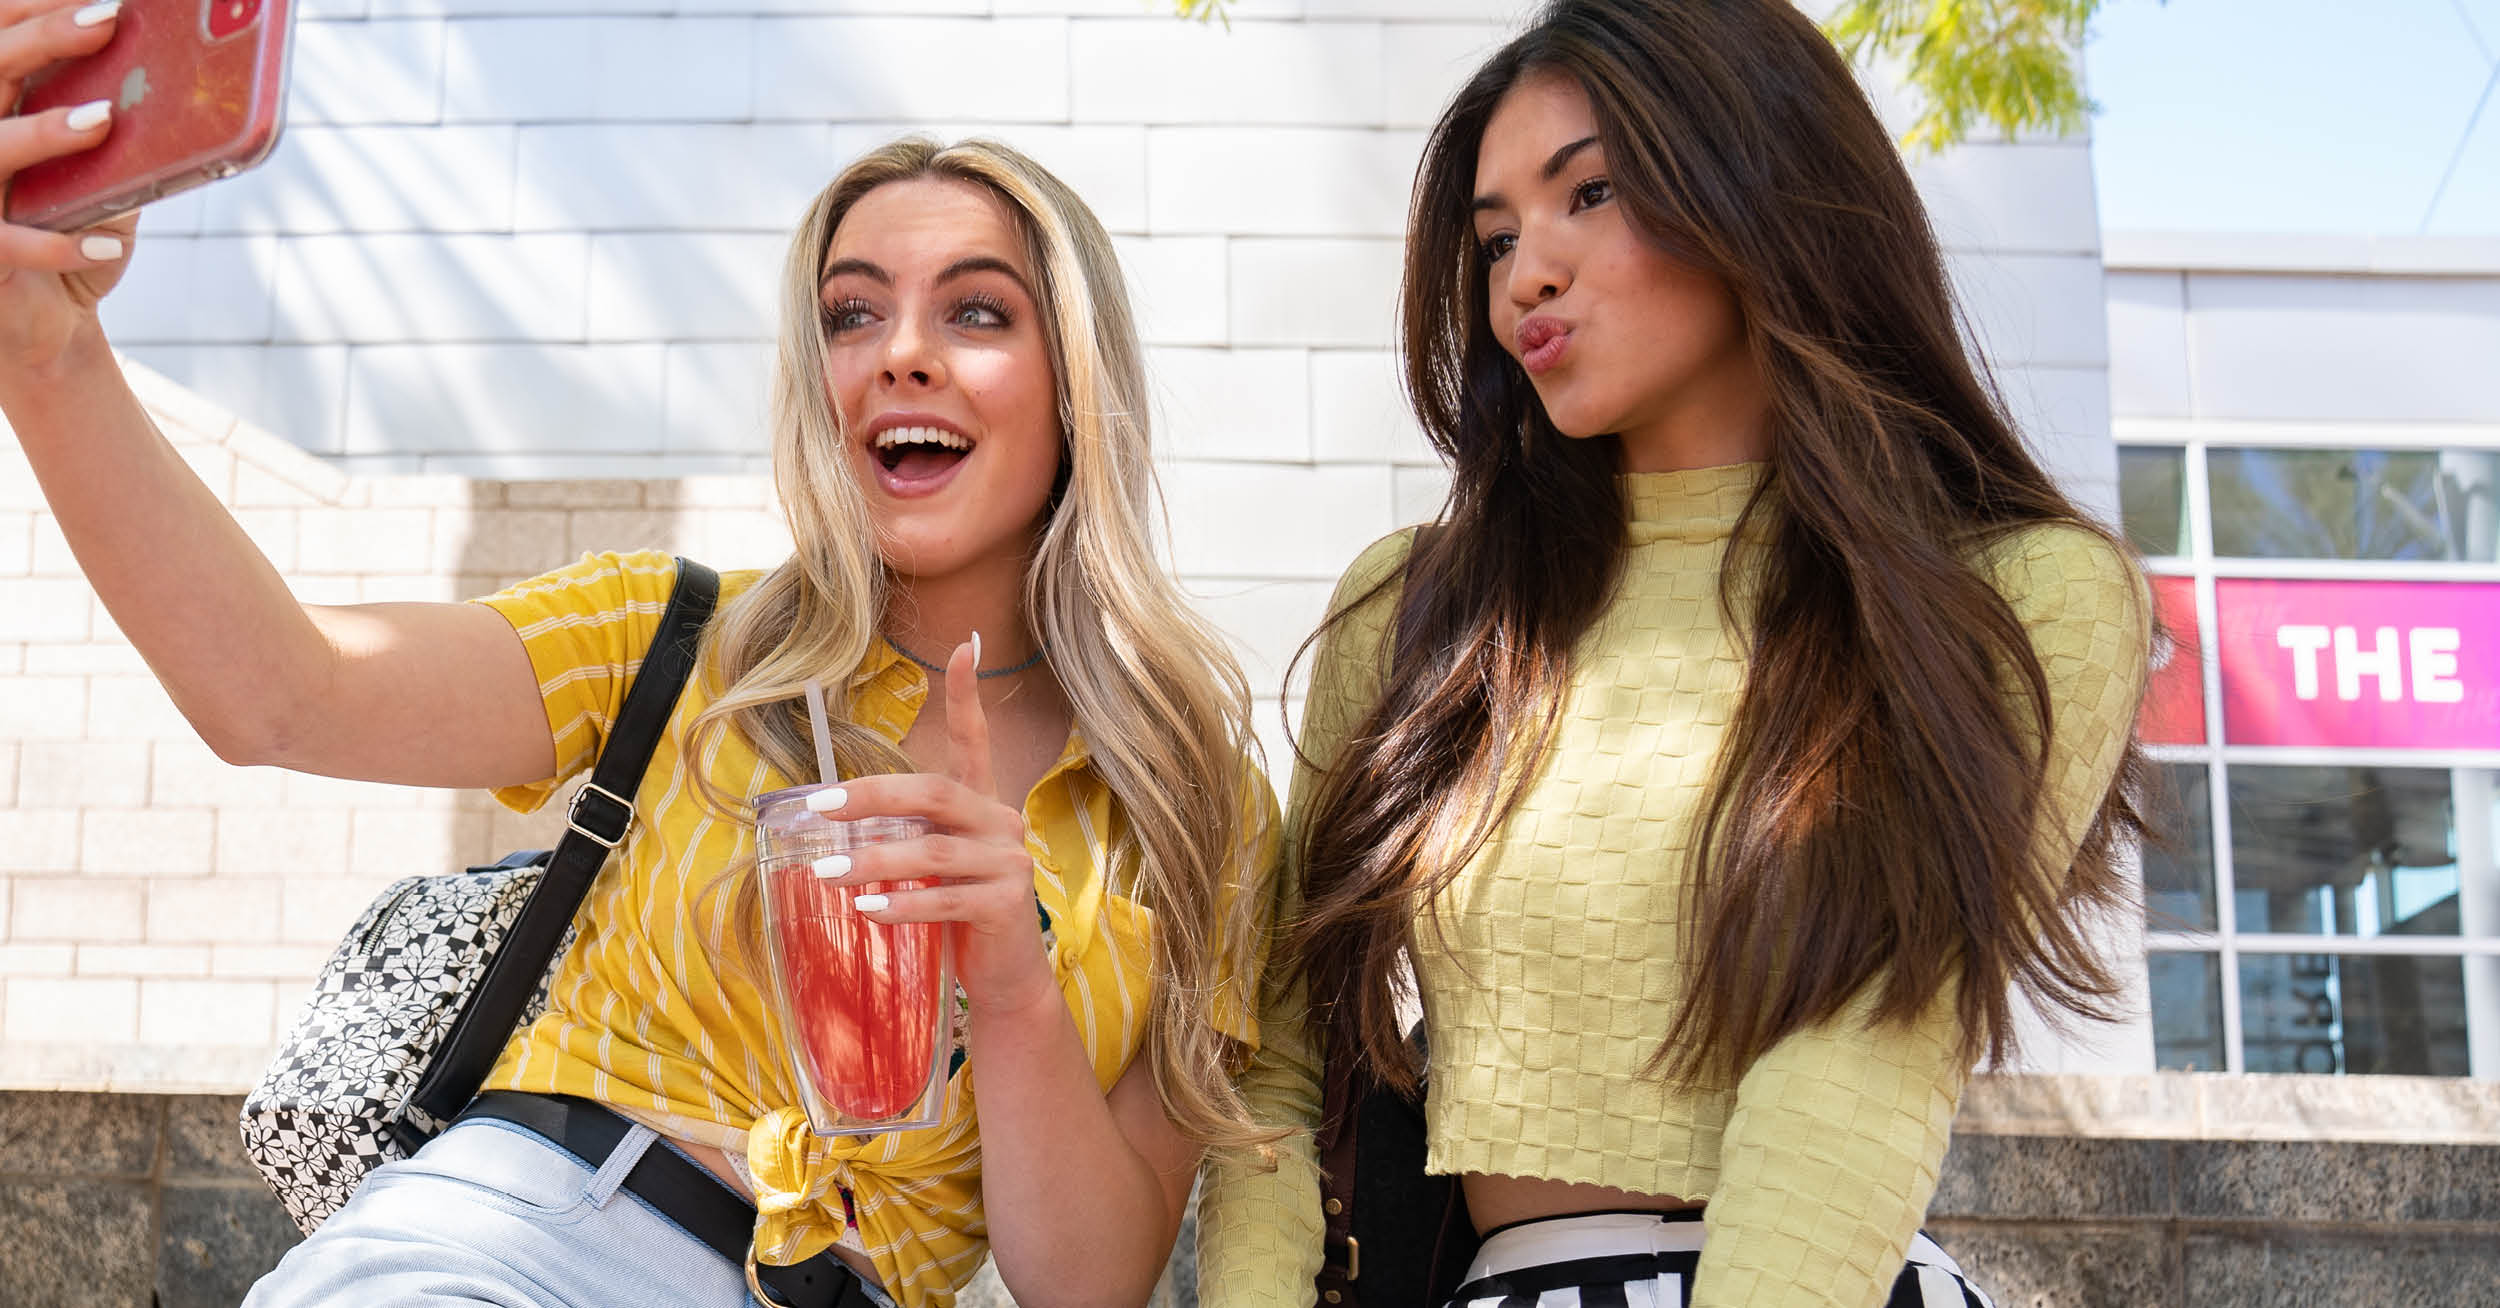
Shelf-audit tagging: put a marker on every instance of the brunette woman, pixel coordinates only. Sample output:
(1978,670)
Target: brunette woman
(1742,745)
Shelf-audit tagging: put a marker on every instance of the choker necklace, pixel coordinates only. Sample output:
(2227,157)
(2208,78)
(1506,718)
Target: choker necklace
(983,674)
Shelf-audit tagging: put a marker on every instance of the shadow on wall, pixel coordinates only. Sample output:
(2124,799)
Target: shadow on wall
(474,250)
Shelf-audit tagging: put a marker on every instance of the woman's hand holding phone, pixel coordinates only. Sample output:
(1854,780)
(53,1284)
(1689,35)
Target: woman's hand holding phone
(50,281)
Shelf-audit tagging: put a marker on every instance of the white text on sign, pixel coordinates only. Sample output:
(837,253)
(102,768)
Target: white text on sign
(2432,661)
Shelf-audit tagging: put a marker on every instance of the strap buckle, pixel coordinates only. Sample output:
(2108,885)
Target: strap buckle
(620,814)
(1353,1270)
(755,1283)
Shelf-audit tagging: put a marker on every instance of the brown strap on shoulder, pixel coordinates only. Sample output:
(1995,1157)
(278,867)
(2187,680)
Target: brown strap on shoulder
(1341,1258)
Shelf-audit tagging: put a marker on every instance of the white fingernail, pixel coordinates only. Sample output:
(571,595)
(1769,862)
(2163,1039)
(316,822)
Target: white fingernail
(98,13)
(868,903)
(90,115)
(833,865)
(976,651)
(102,249)
(826,801)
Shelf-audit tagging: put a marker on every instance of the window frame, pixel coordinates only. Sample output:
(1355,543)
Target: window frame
(2477,939)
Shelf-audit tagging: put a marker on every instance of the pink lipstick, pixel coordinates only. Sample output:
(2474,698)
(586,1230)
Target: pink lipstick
(1542,342)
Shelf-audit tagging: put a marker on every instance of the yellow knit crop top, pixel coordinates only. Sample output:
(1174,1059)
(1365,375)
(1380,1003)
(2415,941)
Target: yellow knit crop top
(1560,967)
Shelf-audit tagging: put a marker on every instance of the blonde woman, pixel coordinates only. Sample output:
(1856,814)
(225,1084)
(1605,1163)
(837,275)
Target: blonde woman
(960,448)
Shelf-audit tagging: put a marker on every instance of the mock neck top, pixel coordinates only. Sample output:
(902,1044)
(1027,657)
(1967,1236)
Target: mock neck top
(1564,955)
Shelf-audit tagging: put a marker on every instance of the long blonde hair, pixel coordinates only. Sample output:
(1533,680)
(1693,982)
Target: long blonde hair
(1163,705)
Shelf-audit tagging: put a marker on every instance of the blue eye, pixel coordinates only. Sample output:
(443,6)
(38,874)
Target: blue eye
(846,315)
(980,311)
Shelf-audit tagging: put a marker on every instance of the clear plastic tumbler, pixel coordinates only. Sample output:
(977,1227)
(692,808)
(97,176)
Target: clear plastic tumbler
(862,1003)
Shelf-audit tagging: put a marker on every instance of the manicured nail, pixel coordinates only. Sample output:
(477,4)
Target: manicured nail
(976,651)
(868,903)
(102,249)
(827,801)
(90,115)
(834,865)
(97,13)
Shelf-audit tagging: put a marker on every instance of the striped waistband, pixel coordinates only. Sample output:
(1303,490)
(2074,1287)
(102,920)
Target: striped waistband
(1549,1240)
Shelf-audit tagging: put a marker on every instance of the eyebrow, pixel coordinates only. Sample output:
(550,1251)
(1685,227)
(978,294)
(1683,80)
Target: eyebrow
(1554,164)
(964,267)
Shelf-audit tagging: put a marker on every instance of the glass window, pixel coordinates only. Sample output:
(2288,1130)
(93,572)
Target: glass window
(2353,504)
(2179,863)
(2152,497)
(2187,1012)
(2351,851)
(2362,1015)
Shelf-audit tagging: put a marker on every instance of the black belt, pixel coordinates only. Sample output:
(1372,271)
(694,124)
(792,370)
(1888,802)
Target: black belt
(683,1192)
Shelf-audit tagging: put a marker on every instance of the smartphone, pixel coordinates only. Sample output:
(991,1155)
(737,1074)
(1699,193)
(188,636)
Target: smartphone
(198,87)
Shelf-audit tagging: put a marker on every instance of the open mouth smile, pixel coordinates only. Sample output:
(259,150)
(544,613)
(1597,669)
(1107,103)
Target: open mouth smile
(914,457)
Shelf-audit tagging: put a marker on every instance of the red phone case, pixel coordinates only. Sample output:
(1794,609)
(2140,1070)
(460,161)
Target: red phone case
(198,87)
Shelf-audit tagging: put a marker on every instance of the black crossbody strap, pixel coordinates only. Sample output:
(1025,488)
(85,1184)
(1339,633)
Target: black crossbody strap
(602,812)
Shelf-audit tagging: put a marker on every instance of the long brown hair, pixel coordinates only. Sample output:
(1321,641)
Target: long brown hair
(1880,790)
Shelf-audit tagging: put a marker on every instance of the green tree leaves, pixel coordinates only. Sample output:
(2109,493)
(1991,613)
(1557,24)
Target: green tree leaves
(2008,64)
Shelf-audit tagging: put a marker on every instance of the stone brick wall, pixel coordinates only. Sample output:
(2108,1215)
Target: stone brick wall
(105,1199)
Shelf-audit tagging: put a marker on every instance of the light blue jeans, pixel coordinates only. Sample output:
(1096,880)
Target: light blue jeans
(490,1213)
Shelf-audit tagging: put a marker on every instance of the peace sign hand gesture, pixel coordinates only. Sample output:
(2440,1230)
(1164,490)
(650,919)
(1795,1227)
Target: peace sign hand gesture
(978,875)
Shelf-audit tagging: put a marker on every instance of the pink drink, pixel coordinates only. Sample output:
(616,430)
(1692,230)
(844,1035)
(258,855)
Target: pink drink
(862,1003)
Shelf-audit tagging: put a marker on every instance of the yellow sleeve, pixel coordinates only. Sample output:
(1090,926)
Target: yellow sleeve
(586,628)
(1259,1228)
(1832,1151)
(1249,888)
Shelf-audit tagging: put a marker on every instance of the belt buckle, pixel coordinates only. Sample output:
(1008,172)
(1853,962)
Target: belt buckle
(755,1284)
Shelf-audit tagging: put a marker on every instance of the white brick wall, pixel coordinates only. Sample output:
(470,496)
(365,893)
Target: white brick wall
(538,239)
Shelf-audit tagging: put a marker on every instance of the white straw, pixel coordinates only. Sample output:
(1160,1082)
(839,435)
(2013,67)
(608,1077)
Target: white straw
(824,733)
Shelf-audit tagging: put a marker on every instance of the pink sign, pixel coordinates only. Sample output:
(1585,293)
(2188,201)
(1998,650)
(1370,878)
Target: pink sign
(2389,664)
(2174,698)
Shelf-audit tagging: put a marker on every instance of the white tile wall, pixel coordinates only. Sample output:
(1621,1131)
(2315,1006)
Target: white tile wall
(505,399)
(2384,349)
(383,289)
(194,290)
(1314,292)
(352,73)
(2029,199)
(540,239)
(1251,72)
(1231,404)
(1426,63)
(1284,181)
(1359,412)
(685,286)
(718,400)
(1005,70)
(371,179)
(1178,286)
(615,69)
(670,176)
(2148,355)
(2034,309)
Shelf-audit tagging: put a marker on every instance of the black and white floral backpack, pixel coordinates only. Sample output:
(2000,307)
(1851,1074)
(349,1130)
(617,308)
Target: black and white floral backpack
(411,1011)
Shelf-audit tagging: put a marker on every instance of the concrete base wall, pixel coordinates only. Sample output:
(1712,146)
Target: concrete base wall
(106,1199)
